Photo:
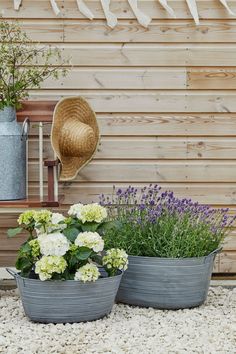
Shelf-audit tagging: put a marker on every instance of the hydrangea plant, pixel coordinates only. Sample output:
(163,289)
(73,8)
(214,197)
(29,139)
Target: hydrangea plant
(66,248)
(155,223)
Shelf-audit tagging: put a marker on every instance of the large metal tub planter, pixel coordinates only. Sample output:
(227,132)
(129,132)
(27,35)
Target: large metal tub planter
(68,301)
(166,283)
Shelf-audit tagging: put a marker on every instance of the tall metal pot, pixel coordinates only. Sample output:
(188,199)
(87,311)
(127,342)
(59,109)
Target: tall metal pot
(13,140)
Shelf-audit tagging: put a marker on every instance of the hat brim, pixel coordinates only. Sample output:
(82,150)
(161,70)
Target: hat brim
(72,107)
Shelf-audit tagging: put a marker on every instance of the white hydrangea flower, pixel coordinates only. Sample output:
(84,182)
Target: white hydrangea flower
(93,212)
(91,240)
(75,210)
(55,244)
(55,220)
(88,272)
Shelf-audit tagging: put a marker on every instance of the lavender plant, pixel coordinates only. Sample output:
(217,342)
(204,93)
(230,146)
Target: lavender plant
(153,223)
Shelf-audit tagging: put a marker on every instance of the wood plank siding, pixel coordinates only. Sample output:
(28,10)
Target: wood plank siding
(165,99)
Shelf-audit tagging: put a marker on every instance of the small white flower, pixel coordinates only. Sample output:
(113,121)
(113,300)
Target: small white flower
(75,210)
(88,272)
(55,244)
(91,240)
(56,218)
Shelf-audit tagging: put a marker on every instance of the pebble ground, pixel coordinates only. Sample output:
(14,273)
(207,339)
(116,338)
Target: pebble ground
(208,329)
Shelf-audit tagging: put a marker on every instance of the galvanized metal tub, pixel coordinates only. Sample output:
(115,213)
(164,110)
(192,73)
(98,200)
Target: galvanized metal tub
(67,301)
(166,283)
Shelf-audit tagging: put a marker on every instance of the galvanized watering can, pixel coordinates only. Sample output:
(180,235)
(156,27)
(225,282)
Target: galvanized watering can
(13,151)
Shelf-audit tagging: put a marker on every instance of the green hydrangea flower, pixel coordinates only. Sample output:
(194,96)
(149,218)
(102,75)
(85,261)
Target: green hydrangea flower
(27,217)
(73,247)
(35,248)
(42,216)
(88,272)
(115,258)
(93,212)
(48,265)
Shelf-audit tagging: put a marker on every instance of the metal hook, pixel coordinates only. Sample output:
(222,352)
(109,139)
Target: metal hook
(25,129)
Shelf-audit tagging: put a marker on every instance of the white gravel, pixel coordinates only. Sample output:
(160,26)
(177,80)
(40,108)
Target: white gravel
(210,328)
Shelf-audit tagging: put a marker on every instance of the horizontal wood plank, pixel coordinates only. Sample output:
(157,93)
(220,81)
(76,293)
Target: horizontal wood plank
(152,171)
(230,242)
(153,148)
(149,54)
(130,124)
(223,194)
(129,31)
(227,262)
(206,193)
(148,100)
(43,30)
(211,79)
(166,31)
(120,78)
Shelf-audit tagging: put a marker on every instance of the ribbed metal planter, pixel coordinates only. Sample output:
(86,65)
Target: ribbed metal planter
(67,301)
(166,283)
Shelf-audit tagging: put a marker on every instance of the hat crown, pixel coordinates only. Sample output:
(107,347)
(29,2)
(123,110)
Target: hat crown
(76,138)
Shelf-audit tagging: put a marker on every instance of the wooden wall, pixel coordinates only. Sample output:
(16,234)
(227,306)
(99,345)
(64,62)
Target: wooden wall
(165,99)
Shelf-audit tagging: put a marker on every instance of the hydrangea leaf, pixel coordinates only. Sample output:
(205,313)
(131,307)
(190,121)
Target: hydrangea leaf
(83,253)
(14,232)
(90,226)
(71,233)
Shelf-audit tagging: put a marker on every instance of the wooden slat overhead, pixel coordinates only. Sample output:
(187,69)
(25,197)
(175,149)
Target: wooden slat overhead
(41,9)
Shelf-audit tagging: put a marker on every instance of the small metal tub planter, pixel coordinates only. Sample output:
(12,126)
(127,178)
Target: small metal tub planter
(166,283)
(69,301)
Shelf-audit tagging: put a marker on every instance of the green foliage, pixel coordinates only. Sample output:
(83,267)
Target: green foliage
(14,232)
(71,233)
(61,248)
(154,224)
(83,253)
(171,237)
(24,65)
(25,260)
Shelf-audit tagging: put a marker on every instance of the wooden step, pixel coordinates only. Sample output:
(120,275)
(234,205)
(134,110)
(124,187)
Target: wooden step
(28,203)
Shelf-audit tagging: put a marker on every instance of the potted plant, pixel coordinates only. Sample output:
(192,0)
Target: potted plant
(171,244)
(64,274)
(24,66)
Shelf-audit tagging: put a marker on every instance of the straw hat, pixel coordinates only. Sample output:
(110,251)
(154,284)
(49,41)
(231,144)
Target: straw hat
(74,136)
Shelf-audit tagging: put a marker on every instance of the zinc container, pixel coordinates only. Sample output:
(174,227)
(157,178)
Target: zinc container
(13,140)
(166,283)
(69,301)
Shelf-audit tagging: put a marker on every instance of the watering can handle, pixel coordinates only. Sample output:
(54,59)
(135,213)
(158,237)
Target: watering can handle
(12,272)
(25,129)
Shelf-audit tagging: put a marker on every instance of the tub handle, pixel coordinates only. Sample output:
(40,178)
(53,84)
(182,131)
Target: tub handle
(215,251)
(12,272)
(25,129)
